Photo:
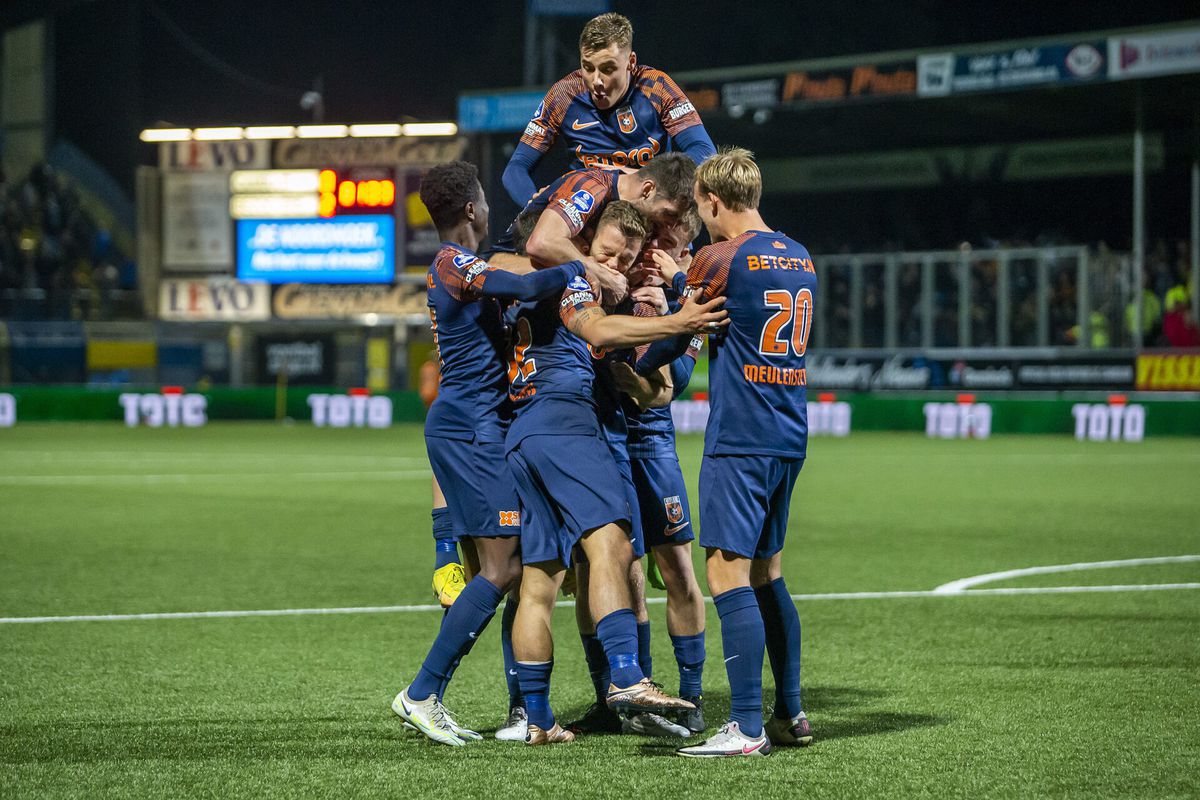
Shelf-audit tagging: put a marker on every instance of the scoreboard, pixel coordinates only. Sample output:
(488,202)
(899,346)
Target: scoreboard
(315,225)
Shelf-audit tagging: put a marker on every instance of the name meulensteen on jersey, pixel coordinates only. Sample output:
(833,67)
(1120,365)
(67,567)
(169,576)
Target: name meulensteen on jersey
(757,374)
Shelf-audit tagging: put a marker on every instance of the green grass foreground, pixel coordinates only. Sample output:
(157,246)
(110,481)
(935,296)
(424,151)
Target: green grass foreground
(1063,695)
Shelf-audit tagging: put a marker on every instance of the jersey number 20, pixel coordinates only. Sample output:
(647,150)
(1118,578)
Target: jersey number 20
(794,310)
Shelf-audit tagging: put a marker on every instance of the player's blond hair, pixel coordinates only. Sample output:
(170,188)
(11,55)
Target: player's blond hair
(733,177)
(605,30)
(628,219)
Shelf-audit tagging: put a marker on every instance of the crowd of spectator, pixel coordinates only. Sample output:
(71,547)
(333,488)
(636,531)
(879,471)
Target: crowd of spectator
(56,262)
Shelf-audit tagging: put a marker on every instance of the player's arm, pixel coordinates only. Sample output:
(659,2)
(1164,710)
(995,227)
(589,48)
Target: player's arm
(621,330)
(695,142)
(682,122)
(536,141)
(647,391)
(705,278)
(552,242)
(681,369)
(518,175)
(511,262)
(534,285)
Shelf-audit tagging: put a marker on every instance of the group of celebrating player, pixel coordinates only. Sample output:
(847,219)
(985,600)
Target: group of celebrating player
(551,435)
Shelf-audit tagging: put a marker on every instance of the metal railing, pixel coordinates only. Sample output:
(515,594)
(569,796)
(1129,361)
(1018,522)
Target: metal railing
(967,298)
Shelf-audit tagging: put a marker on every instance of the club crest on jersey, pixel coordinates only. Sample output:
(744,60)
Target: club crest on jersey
(583,200)
(626,120)
(674,508)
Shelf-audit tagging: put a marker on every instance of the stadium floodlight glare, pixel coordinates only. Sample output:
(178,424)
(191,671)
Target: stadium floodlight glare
(271,132)
(430,129)
(165,135)
(376,129)
(321,131)
(216,134)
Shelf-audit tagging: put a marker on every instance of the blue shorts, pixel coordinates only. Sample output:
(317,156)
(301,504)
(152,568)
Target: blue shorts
(662,500)
(744,502)
(478,486)
(637,536)
(568,485)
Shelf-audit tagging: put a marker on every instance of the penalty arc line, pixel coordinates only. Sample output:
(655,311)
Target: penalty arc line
(962,584)
(303,612)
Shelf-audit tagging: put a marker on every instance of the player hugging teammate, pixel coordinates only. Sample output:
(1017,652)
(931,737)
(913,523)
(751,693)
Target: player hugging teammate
(552,436)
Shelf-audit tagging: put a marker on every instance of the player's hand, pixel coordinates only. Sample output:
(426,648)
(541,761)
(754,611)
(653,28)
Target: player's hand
(697,317)
(652,295)
(684,261)
(667,266)
(614,284)
(644,273)
(625,378)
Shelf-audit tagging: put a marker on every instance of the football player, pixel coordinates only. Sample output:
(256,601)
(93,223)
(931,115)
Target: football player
(757,381)
(570,488)
(611,112)
(465,428)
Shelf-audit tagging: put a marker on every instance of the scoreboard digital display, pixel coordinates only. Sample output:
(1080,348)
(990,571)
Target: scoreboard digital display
(315,225)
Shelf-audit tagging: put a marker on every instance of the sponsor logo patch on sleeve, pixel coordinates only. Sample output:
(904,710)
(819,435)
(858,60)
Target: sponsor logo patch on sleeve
(583,201)
(572,212)
(681,110)
(533,129)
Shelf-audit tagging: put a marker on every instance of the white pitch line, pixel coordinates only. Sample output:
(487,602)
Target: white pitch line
(204,477)
(302,612)
(963,584)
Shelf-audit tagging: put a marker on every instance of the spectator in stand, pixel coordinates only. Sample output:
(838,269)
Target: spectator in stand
(1151,313)
(1179,326)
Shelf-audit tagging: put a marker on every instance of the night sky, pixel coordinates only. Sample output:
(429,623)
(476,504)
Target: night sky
(122,65)
(387,60)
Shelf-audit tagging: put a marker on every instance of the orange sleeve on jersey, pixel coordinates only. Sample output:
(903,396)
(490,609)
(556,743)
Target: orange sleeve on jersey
(674,109)
(572,212)
(709,273)
(543,129)
(576,300)
(462,283)
(641,309)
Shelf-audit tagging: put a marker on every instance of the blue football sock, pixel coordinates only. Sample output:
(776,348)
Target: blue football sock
(689,655)
(464,621)
(445,550)
(743,637)
(645,660)
(618,633)
(506,646)
(597,664)
(782,624)
(470,643)
(535,686)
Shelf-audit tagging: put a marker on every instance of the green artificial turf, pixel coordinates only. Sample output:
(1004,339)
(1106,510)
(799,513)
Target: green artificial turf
(1081,695)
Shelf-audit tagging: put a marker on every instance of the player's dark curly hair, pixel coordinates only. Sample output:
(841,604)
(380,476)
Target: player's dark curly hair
(446,189)
(673,175)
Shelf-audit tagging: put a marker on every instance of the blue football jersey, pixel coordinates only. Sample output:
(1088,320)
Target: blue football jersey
(547,360)
(652,431)
(630,133)
(612,405)
(757,375)
(471,340)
